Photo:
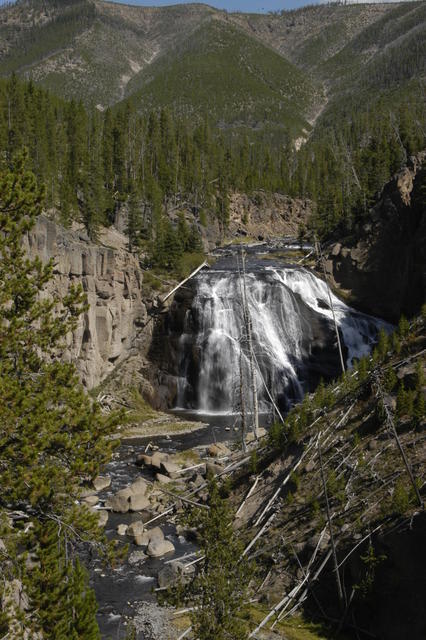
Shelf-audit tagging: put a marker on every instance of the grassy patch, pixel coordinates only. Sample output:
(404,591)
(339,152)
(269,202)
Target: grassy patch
(294,628)
(158,428)
(141,411)
(188,457)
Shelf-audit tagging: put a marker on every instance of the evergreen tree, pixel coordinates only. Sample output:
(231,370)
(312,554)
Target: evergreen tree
(52,437)
(67,607)
(134,225)
(219,590)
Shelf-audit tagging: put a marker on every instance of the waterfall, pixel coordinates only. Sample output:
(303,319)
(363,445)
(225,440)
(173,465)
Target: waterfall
(293,337)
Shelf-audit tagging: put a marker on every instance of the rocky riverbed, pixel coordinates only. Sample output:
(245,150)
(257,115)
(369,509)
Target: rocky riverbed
(139,498)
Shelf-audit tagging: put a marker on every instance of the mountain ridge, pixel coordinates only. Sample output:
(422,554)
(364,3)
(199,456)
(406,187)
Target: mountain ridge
(102,52)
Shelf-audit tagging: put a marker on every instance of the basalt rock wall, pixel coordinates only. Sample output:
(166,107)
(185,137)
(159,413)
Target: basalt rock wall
(382,268)
(116,323)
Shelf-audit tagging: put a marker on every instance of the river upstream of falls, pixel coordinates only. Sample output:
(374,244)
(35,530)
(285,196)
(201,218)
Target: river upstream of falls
(294,344)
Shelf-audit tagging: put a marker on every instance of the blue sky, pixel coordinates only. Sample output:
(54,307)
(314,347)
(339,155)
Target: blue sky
(232,5)
(257,6)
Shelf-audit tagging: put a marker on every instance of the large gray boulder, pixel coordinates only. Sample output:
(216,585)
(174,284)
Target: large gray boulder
(157,459)
(118,503)
(162,479)
(158,548)
(130,498)
(135,529)
(170,468)
(102,482)
(139,503)
(139,487)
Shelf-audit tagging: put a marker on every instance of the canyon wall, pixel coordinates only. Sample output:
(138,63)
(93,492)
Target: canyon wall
(116,324)
(381,269)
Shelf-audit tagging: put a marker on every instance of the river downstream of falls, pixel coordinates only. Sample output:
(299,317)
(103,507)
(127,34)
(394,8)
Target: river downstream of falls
(294,340)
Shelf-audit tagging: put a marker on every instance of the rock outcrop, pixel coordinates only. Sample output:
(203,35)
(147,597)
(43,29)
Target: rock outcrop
(112,279)
(266,216)
(382,269)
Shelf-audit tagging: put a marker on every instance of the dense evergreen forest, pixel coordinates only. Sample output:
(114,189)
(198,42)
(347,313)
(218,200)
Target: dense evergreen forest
(93,162)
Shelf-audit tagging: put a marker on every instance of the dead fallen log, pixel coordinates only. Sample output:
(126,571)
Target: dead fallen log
(284,482)
(191,275)
(241,507)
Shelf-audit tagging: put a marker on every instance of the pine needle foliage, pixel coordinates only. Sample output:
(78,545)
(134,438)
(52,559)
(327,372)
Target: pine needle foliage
(219,590)
(52,437)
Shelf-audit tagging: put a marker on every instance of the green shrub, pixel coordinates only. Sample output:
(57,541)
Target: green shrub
(400,499)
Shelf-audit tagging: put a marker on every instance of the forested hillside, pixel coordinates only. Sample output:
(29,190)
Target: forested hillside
(325,102)
(94,163)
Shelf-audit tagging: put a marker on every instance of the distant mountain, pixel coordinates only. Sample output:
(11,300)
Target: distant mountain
(238,81)
(245,70)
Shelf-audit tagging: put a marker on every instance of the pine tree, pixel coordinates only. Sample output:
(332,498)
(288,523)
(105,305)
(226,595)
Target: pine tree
(134,224)
(183,231)
(52,437)
(219,590)
(194,243)
(59,585)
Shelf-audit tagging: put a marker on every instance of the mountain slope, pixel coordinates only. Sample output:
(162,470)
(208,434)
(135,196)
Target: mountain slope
(334,483)
(86,48)
(235,80)
(102,52)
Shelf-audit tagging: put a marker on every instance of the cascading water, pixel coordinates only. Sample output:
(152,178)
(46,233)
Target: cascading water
(293,338)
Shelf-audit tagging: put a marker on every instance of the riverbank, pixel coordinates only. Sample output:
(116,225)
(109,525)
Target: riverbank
(159,427)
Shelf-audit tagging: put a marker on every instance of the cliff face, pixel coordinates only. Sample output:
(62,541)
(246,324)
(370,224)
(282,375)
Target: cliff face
(266,216)
(111,277)
(383,268)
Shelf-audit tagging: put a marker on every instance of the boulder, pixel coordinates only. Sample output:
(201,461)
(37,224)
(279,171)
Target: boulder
(122,529)
(162,479)
(157,458)
(170,468)
(135,529)
(139,487)
(144,460)
(261,433)
(124,493)
(158,548)
(91,500)
(213,469)
(139,503)
(155,534)
(118,504)
(144,539)
(101,482)
(198,480)
(14,597)
(136,557)
(217,450)
(141,540)
(102,517)
(85,493)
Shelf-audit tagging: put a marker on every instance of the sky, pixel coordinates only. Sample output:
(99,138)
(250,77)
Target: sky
(257,6)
